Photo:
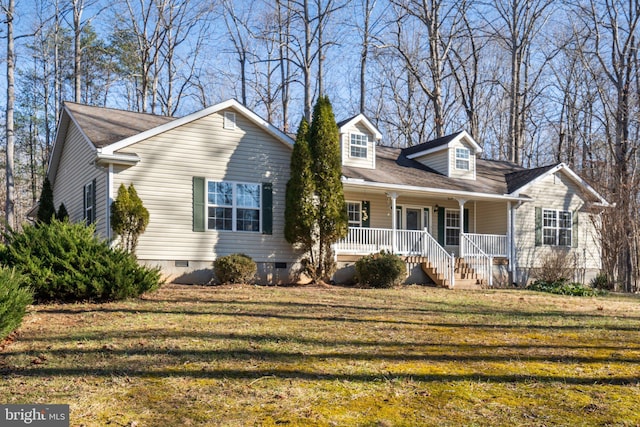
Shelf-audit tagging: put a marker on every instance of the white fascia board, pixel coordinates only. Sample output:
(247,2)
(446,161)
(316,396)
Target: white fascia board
(573,176)
(231,103)
(362,118)
(463,135)
(117,159)
(61,133)
(439,191)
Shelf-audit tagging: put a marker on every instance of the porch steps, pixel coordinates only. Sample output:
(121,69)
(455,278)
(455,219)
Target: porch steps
(465,276)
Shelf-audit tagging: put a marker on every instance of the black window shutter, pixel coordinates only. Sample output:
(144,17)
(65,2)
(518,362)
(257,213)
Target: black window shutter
(574,229)
(267,208)
(366,214)
(93,201)
(441,226)
(465,225)
(198,203)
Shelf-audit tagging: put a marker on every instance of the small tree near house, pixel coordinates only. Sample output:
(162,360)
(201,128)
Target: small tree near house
(129,217)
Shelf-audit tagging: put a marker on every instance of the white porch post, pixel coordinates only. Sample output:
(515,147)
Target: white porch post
(394,245)
(509,237)
(461,202)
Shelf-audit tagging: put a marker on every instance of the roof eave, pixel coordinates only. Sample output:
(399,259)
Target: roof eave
(231,103)
(103,159)
(440,191)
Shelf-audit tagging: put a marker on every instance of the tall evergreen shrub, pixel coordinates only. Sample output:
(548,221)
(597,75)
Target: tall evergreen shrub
(332,220)
(300,210)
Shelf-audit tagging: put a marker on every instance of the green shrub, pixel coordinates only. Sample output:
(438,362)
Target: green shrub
(383,270)
(564,287)
(601,281)
(235,268)
(66,262)
(14,299)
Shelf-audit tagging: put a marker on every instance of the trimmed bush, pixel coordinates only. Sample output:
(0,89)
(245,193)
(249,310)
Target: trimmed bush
(564,287)
(235,268)
(383,270)
(14,299)
(66,262)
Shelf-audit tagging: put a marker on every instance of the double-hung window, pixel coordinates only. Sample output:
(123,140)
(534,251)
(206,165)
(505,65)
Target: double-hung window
(462,158)
(358,146)
(233,206)
(452,227)
(557,227)
(354,212)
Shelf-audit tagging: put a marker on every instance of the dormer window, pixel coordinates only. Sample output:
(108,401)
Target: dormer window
(358,146)
(462,158)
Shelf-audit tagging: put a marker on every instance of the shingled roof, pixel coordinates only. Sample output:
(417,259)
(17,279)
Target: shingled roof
(104,126)
(520,178)
(394,168)
(430,144)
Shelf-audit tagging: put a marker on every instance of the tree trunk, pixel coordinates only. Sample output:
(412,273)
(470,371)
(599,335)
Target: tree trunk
(10,202)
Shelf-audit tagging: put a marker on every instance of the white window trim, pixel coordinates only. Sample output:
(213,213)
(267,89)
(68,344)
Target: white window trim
(557,228)
(234,207)
(463,159)
(348,202)
(229,121)
(364,147)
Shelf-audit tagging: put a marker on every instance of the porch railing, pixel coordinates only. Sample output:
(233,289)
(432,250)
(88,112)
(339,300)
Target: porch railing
(478,259)
(491,244)
(438,256)
(361,241)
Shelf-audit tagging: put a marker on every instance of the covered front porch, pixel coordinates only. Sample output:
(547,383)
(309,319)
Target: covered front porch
(440,229)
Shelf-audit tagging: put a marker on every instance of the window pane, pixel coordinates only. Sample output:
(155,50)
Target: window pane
(452,237)
(549,218)
(549,236)
(248,220)
(220,218)
(564,237)
(354,213)
(220,193)
(248,195)
(359,145)
(564,219)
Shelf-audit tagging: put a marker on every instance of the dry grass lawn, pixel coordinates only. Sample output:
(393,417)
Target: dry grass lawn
(330,356)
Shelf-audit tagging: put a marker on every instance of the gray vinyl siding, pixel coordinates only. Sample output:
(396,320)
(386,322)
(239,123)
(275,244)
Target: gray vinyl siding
(76,169)
(438,161)
(555,192)
(347,160)
(163,180)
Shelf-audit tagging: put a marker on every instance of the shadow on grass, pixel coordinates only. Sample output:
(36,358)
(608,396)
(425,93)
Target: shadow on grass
(295,374)
(457,355)
(353,318)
